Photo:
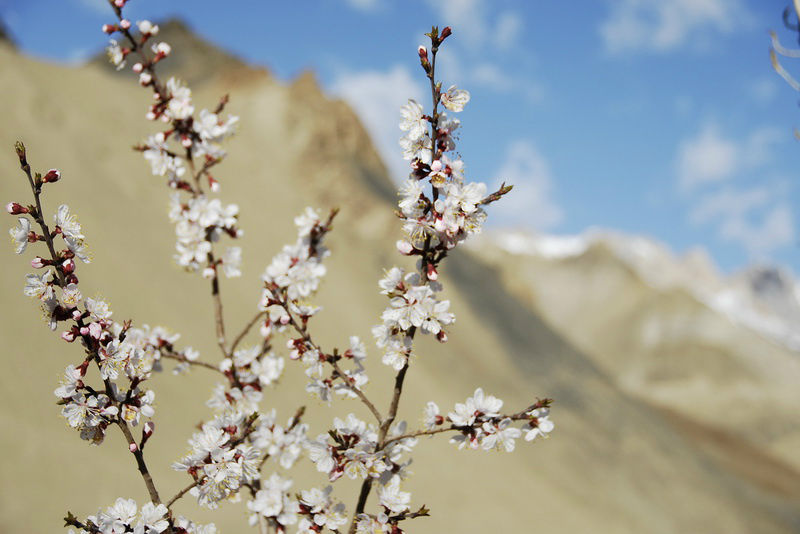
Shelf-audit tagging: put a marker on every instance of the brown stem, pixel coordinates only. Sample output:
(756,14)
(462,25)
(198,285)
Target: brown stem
(140,463)
(39,218)
(181,493)
(183,359)
(245,330)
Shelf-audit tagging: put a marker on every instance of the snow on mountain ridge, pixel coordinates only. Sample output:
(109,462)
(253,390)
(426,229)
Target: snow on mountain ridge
(765,299)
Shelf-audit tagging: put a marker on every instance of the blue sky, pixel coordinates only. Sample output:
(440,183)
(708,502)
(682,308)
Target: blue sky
(662,118)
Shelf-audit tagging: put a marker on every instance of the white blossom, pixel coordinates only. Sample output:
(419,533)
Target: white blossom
(392,498)
(455,99)
(19,235)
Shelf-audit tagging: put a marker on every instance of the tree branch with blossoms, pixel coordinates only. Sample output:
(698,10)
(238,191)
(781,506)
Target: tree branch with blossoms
(438,210)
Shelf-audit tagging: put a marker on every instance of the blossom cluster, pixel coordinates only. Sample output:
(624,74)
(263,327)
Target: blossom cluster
(199,221)
(351,449)
(481,425)
(126,516)
(116,349)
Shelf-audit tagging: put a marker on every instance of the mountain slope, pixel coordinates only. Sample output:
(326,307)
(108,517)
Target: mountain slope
(666,332)
(613,460)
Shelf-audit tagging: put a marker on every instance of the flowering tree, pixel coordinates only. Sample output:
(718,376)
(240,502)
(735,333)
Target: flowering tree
(229,455)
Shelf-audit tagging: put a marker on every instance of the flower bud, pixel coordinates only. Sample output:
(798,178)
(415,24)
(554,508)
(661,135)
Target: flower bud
(69,336)
(133,448)
(423,53)
(163,49)
(84,331)
(149,427)
(76,314)
(213,184)
(109,29)
(186,142)
(446,32)
(15,209)
(125,24)
(145,78)
(433,275)
(441,336)
(37,262)
(119,3)
(284,320)
(53,175)
(208,273)
(68,266)
(137,68)
(404,247)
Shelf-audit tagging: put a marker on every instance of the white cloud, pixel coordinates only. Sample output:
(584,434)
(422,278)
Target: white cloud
(100,6)
(363,5)
(661,26)
(530,203)
(489,76)
(709,157)
(706,158)
(467,18)
(473,25)
(763,90)
(376,97)
(757,218)
(509,26)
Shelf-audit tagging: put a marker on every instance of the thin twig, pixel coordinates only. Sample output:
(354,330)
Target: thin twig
(181,358)
(245,330)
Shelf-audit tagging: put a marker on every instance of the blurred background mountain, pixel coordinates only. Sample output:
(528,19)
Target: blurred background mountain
(676,386)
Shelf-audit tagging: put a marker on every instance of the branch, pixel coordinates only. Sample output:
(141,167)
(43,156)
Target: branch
(303,331)
(245,331)
(181,358)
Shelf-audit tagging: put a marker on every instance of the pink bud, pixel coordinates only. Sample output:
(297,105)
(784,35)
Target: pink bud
(145,78)
(76,314)
(124,24)
(133,448)
(446,32)
(213,184)
(441,336)
(284,320)
(109,29)
(423,53)
(150,116)
(68,266)
(290,343)
(53,175)
(84,330)
(37,262)
(186,142)
(119,3)
(149,427)
(69,337)
(404,247)
(137,68)
(432,274)
(15,209)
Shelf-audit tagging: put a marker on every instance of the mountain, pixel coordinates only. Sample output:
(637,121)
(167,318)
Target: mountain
(617,462)
(670,330)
